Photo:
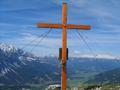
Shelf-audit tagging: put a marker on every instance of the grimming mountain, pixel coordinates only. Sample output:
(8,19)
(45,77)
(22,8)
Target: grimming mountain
(19,67)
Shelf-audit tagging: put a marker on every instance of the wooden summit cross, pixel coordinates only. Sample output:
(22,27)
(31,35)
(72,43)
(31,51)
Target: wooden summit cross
(64,26)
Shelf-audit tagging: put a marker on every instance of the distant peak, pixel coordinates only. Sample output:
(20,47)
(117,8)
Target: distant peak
(6,47)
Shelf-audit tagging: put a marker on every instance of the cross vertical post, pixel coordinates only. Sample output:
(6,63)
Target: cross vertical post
(64,47)
(65,27)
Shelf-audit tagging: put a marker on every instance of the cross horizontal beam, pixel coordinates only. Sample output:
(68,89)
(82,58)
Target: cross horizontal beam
(68,26)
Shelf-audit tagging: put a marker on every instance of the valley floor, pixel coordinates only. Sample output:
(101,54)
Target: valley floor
(81,87)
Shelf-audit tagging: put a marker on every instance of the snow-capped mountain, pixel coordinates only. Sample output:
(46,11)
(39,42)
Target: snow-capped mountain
(13,57)
(20,67)
(9,50)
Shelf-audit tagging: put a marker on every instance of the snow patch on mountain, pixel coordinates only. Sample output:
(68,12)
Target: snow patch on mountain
(7,48)
(12,58)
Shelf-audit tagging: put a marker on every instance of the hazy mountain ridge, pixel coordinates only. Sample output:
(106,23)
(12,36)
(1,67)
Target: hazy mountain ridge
(111,76)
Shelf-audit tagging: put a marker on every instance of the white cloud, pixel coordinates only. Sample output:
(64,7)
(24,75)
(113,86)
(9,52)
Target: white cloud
(99,56)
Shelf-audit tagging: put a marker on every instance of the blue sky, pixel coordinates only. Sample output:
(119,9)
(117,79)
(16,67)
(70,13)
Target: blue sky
(18,20)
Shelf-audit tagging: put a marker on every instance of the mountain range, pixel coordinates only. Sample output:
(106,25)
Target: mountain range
(18,67)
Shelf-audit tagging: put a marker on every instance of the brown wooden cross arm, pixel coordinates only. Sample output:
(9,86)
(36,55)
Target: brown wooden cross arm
(68,26)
